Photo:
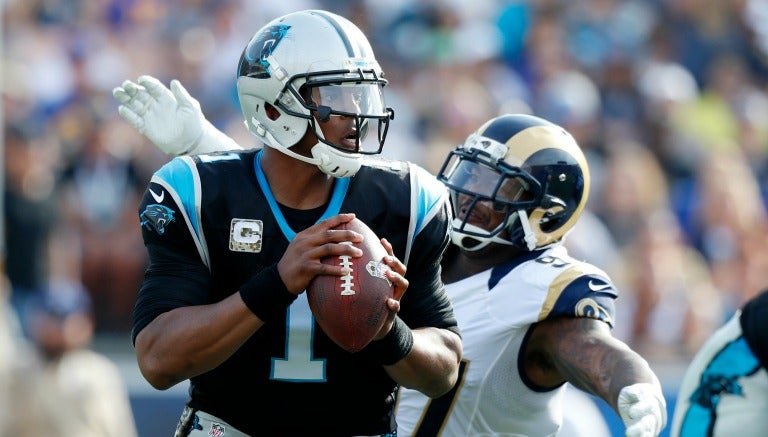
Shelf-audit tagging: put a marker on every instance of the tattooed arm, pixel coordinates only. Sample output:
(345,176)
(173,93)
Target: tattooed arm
(583,352)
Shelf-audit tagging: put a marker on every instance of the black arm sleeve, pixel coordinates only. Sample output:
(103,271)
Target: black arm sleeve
(171,281)
(426,302)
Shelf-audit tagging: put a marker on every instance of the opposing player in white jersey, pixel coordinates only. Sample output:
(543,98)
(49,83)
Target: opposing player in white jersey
(532,318)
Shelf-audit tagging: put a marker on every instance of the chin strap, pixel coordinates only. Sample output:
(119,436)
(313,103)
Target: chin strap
(460,235)
(335,162)
(459,238)
(262,132)
(332,161)
(329,160)
(530,237)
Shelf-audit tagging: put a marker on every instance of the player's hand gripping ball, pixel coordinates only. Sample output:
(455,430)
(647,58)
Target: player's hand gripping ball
(351,309)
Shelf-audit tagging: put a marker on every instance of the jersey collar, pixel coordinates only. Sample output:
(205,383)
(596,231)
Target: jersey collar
(340,187)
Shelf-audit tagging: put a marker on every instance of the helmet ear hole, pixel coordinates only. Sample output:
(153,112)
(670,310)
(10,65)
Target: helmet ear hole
(272,112)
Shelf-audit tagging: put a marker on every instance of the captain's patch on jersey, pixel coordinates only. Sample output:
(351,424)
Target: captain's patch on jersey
(245,235)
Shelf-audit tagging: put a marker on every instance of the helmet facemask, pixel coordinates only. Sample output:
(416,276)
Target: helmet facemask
(476,174)
(357,95)
(531,170)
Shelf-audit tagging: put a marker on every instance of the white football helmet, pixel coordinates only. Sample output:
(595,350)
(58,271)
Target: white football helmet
(311,62)
(524,167)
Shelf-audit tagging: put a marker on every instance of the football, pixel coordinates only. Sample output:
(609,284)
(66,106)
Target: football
(351,309)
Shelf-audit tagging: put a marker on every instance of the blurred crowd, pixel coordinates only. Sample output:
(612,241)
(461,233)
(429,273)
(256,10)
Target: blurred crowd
(668,98)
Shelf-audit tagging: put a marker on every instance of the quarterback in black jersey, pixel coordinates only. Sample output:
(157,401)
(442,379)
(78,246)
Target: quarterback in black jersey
(234,238)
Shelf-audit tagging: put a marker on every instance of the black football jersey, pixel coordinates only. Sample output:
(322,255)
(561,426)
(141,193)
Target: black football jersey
(210,222)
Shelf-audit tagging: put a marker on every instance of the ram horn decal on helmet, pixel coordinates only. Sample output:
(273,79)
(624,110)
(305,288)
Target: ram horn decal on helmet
(525,167)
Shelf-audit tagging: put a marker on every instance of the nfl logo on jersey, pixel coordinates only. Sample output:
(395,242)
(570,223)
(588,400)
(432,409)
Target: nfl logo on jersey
(217,430)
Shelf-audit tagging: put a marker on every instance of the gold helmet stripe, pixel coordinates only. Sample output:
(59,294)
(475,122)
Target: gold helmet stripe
(536,138)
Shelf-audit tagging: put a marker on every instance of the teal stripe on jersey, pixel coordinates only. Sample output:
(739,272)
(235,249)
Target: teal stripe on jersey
(181,176)
(720,378)
(430,193)
(334,206)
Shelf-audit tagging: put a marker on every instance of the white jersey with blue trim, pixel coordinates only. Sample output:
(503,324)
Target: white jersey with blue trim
(495,310)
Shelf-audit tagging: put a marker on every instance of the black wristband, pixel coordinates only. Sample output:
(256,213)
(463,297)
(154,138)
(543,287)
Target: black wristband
(266,296)
(394,346)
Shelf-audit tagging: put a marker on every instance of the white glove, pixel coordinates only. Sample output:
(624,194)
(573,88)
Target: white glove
(643,409)
(169,118)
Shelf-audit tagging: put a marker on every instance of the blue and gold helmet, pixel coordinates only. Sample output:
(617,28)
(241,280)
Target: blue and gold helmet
(517,180)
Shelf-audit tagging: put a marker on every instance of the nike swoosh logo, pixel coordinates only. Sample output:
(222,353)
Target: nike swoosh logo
(595,287)
(158,197)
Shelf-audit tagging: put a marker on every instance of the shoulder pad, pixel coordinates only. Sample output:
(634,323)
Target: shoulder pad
(582,290)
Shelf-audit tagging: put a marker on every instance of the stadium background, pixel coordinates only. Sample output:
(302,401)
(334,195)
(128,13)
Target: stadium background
(668,99)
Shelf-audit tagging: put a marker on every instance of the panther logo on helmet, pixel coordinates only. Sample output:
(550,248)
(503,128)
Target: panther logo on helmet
(307,51)
(254,62)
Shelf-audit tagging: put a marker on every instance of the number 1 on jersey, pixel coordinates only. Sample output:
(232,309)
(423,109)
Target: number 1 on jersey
(299,364)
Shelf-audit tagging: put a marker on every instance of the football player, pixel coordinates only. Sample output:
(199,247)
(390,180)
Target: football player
(234,239)
(725,390)
(532,317)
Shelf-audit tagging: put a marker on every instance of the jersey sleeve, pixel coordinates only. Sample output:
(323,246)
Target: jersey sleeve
(548,285)
(581,291)
(176,275)
(426,302)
